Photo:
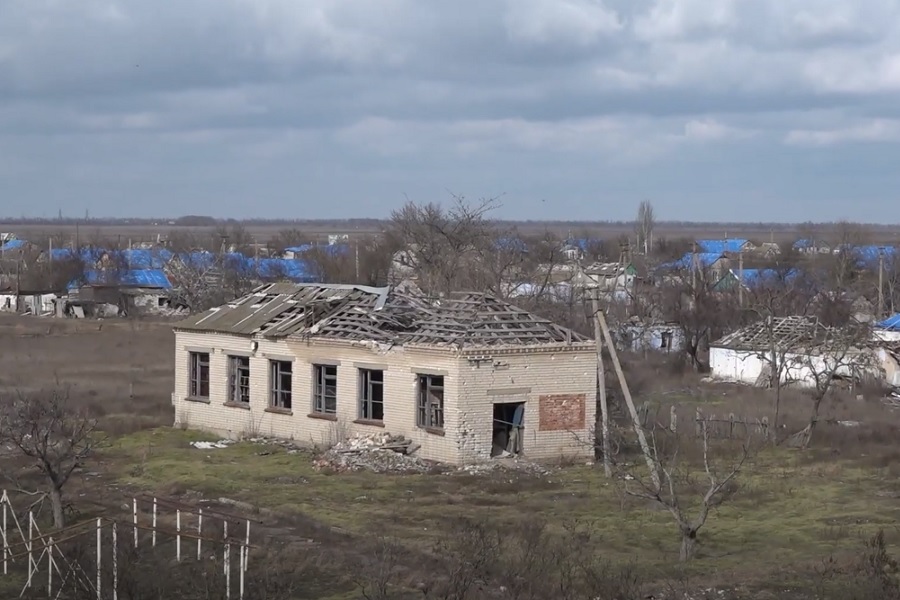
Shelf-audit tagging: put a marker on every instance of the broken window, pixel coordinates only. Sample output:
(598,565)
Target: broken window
(371,395)
(280,381)
(199,370)
(239,379)
(325,390)
(665,340)
(430,413)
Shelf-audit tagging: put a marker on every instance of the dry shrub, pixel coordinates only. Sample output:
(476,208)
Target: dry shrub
(872,575)
(524,561)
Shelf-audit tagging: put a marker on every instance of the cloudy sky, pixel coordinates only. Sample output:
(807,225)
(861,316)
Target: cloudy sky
(751,110)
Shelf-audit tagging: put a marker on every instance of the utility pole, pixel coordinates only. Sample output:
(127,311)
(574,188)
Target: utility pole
(741,279)
(881,283)
(357,261)
(638,428)
(601,382)
(694,266)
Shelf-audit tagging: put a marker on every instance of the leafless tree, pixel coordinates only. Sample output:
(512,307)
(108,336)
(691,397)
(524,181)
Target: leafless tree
(287,238)
(841,353)
(438,245)
(674,480)
(644,225)
(52,435)
(234,237)
(702,314)
(784,309)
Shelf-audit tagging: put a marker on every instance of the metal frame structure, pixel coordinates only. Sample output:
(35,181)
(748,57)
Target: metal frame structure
(45,560)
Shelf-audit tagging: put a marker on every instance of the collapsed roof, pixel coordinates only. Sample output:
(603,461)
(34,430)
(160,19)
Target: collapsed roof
(383,315)
(788,332)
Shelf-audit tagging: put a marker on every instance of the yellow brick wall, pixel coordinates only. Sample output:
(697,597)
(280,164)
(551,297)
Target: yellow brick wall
(400,392)
(525,377)
(468,409)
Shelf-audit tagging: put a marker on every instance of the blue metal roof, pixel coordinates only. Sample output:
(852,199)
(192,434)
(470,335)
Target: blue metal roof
(704,259)
(145,258)
(510,244)
(149,278)
(721,246)
(757,277)
(328,249)
(13,245)
(892,323)
(869,254)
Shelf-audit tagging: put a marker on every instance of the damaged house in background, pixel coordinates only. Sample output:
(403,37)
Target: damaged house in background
(112,293)
(804,349)
(465,377)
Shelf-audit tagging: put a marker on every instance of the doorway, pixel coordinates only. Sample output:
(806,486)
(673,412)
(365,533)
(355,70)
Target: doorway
(509,429)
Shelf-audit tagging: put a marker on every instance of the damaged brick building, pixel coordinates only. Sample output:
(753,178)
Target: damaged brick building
(464,377)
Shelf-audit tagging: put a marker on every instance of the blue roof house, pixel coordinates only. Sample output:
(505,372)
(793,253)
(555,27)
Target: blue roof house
(724,246)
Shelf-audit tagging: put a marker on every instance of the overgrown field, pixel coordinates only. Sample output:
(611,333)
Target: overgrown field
(793,510)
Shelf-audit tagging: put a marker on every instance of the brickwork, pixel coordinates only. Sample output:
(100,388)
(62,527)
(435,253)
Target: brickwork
(562,412)
(524,376)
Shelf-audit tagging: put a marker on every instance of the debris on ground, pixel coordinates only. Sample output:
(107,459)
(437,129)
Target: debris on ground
(506,465)
(380,453)
(290,446)
(211,445)
(385,453)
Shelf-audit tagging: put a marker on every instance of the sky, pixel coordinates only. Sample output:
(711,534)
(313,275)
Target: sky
(725,110)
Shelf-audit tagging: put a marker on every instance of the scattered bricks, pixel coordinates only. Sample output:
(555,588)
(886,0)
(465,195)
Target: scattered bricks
(380,453)
(561,412)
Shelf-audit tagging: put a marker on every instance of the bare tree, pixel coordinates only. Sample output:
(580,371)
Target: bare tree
(439,246)
(702,314)
(646,221)
(53,436)
(840,354)
(287,238)
(674,479)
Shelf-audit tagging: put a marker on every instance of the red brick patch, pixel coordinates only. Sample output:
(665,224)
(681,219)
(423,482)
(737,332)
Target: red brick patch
(562,412)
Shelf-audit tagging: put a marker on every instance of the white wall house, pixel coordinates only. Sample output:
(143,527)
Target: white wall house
(744,356)
(315,363)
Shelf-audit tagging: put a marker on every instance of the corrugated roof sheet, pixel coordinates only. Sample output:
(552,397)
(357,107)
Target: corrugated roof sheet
(383,315)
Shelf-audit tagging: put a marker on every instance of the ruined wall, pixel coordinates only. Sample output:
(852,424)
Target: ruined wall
(258,419)
(558,382)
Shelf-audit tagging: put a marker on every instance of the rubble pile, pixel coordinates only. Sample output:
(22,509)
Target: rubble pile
(519,466)
(380,453)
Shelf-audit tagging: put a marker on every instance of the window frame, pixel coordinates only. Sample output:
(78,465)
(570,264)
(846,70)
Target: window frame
(281,398)
(235,387)
(321,379)
(428,417)
(366,400)
(198,374)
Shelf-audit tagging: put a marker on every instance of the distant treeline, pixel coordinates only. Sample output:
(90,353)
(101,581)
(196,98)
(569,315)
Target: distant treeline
(349,224)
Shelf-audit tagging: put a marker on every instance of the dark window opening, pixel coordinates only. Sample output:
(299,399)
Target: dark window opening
(666,340)
(509,429)
(371,395)
(430,413)
(239,379)
(280,380)
(199,373)
(325,390)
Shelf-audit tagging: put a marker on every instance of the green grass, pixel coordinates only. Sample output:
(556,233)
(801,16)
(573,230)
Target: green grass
(787,513)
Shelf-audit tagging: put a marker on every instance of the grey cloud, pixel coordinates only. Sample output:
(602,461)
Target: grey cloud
(279,99)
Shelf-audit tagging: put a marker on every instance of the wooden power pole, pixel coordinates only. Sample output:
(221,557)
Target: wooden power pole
(638,428)
(881,283)
(601,382)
